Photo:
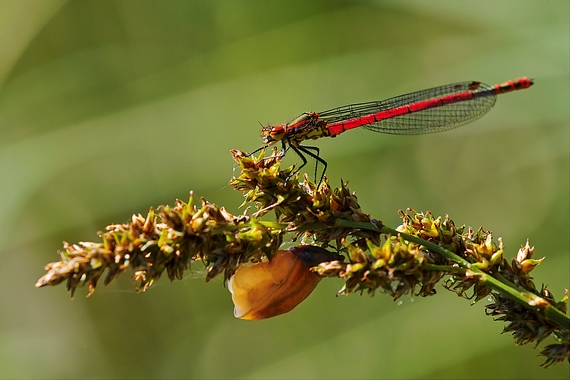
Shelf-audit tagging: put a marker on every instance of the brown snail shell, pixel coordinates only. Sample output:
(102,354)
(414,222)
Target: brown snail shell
(270,288)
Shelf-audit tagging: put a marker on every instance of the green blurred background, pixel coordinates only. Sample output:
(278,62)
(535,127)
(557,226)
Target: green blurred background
(110,107)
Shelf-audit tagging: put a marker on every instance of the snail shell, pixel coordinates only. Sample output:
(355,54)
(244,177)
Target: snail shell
(270,288)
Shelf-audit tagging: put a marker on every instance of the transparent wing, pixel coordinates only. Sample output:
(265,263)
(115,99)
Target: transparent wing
(429,120)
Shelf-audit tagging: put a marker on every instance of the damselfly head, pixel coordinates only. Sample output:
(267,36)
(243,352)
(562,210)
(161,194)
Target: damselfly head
(272,134)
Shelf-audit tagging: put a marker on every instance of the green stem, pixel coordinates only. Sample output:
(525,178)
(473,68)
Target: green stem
(525,298)
(445,268)
(501,278)
(356,224)
(431,246)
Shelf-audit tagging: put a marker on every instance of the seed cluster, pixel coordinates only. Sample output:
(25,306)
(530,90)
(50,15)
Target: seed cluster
(410,259)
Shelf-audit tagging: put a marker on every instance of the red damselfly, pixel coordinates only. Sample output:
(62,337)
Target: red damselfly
(433,110)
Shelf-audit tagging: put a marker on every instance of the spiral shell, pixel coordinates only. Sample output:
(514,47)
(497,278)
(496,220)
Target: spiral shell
(270,288)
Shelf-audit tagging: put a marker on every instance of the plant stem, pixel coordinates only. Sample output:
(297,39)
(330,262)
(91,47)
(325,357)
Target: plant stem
(525,298)
(445,268)
(496,282)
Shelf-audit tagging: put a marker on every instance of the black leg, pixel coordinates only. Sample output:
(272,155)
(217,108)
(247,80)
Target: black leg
(301,151)
(298,151)
(255,151)
(309,151)
(284,149)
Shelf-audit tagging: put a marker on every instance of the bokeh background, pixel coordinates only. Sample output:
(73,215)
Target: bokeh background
(109,107)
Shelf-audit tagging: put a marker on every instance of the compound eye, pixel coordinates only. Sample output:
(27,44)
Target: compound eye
(273,133)
(278,131)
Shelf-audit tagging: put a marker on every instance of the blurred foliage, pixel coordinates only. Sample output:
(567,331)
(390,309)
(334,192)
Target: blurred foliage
(165,89)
